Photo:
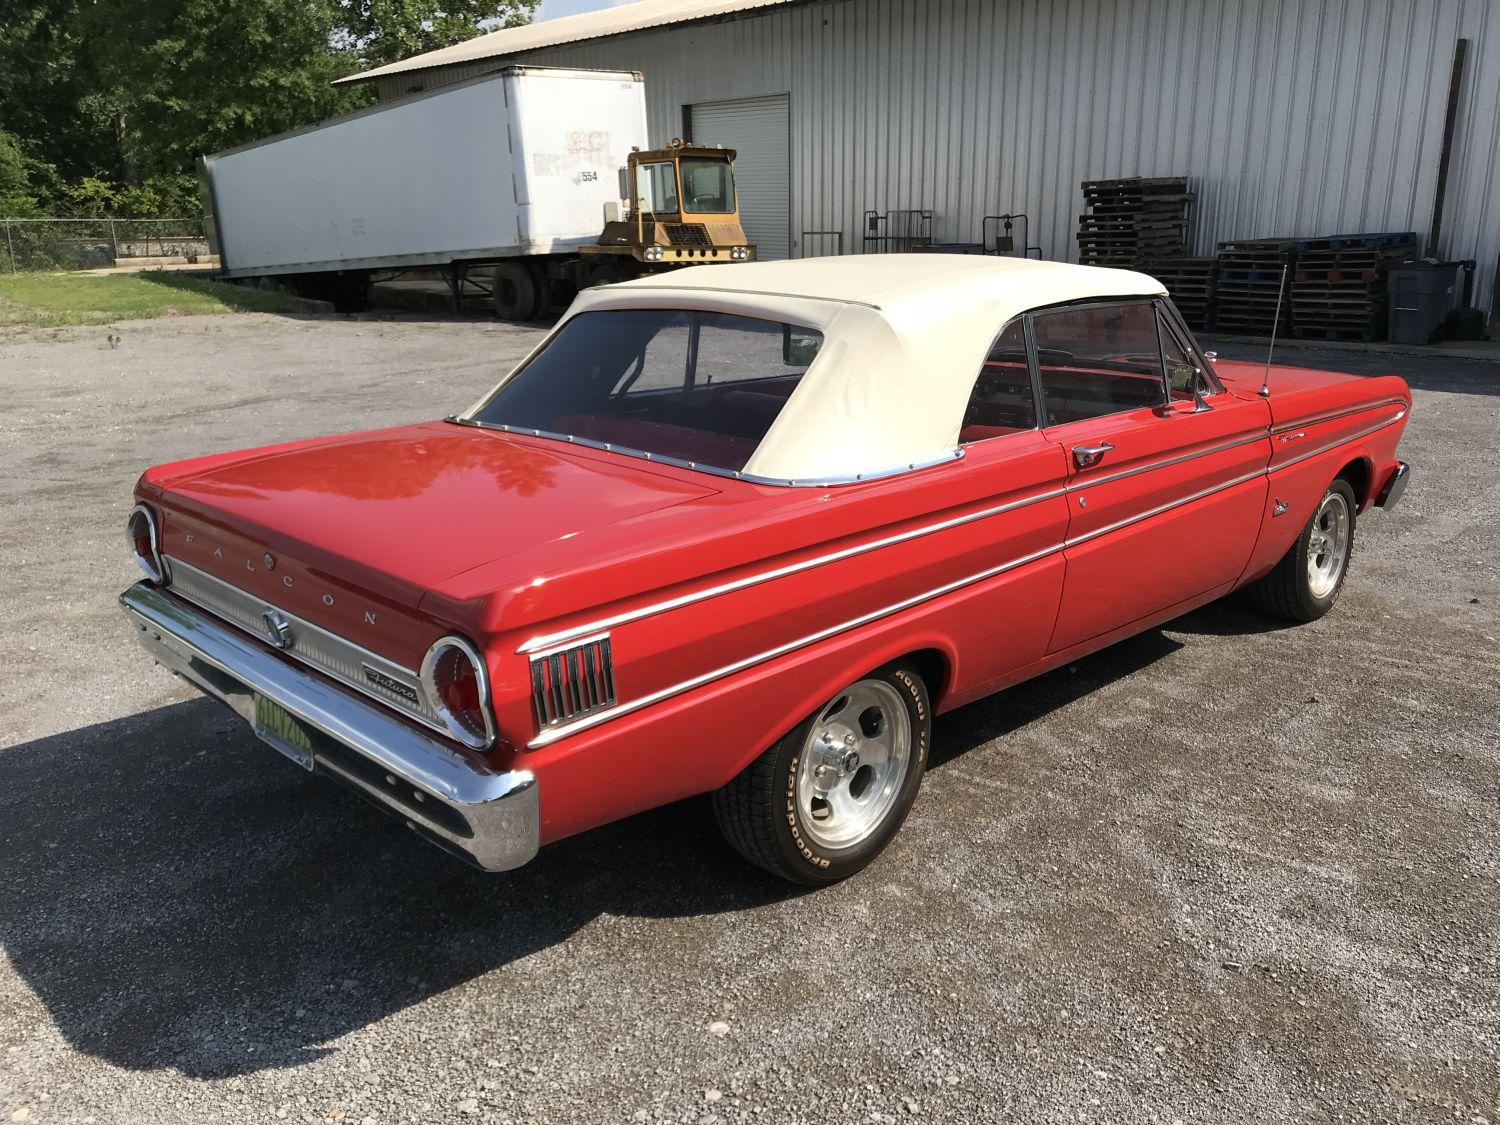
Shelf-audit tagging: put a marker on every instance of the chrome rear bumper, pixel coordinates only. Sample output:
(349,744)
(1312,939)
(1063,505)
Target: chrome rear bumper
(490,818)
(1395,487)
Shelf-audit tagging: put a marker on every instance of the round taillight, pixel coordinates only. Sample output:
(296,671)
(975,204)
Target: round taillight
(145,544)
(454,677)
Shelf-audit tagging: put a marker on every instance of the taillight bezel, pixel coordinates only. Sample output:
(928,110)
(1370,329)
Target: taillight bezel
(154,565)
(458,730)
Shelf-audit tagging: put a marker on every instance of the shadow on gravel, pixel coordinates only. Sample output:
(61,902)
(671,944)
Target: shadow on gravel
(178,896)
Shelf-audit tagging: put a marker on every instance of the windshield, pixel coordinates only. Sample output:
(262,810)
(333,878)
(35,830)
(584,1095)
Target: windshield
(658,186)
(700,387)
(707,185)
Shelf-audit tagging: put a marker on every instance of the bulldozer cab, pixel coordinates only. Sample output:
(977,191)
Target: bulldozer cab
(680,208)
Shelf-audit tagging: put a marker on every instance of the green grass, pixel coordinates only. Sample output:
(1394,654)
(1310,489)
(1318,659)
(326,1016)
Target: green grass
(49,299)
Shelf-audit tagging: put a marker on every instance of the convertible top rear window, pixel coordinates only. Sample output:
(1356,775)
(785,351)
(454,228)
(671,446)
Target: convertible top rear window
(698,387)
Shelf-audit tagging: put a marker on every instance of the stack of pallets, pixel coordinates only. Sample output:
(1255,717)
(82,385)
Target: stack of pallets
(1249,285)
(1192,283)
(1132,221)
(1339,291)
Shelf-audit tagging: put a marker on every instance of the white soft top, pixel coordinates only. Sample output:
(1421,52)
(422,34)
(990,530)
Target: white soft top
(904,338)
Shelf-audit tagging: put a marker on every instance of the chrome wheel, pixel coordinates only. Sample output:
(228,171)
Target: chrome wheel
(853,764)
(1328,545)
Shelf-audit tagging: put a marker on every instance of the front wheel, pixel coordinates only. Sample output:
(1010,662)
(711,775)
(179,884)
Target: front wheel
(1307,580)
(826,799)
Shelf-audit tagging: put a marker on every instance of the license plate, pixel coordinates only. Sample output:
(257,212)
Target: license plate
(279,728)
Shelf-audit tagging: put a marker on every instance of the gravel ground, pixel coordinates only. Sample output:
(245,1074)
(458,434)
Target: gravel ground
(1218,873)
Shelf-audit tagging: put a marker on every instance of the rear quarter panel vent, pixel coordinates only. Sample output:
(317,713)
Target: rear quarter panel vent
(571,682)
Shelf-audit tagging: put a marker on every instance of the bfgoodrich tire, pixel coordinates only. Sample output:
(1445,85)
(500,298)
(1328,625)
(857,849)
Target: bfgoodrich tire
(825,800)
(1307,580)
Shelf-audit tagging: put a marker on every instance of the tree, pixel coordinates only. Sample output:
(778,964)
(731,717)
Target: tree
(132,92)
(385,31)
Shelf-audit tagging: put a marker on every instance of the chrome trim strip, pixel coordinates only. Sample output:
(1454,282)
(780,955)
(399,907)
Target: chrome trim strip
(1161,508)
(553,734)
(1366,432)
(1258,435)
(547,737)
(185,577)
(549,648)
(492,817)
(565,638)
(955,454)
(1314,419)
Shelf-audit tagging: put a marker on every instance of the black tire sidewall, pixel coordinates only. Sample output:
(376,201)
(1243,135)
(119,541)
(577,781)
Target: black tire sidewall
(524,280)
(1314,606)
(806,861)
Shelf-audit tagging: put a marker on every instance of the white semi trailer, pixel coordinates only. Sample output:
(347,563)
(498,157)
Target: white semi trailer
(515,172)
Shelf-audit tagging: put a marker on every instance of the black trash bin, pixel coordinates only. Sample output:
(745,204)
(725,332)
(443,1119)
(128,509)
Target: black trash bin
(1422,294)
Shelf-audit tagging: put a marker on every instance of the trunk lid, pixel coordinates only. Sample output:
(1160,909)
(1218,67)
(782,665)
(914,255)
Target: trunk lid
(351,532)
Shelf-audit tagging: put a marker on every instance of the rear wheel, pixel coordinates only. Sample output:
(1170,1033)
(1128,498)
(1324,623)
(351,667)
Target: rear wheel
(1307,580)
(517,292)
(825,800)
(609,273)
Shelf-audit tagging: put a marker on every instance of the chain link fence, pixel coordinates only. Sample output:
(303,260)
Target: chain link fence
(46,245)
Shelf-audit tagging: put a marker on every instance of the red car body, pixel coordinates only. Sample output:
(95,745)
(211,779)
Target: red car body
(733,608)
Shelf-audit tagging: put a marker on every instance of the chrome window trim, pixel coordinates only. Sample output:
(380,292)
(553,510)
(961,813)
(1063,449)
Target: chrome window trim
(1183,332)
(1151,303)
(378,662)
(955,454)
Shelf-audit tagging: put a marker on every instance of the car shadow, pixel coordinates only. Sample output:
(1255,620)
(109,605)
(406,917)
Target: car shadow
(179,897)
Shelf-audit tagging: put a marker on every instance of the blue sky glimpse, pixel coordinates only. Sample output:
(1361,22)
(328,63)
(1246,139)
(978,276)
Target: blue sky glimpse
(551,9)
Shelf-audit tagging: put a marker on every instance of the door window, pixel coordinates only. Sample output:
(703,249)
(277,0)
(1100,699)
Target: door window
(1096,360)
(1001,402)
(658,186)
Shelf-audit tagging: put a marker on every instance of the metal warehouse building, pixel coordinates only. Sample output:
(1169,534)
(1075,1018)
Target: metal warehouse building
(1292,117)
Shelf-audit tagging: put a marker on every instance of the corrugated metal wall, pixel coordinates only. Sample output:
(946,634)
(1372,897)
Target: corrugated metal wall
(1295,117)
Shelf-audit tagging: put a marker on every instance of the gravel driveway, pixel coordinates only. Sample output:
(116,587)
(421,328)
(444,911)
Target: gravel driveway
(1219,873)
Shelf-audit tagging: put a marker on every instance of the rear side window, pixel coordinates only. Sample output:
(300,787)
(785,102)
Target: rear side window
(699,387)
(1001,402)
(1098,360)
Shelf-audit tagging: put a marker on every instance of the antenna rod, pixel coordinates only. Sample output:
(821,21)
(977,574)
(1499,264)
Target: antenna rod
(1265,382)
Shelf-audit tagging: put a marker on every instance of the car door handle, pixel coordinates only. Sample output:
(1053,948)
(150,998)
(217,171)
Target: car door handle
(1087,456)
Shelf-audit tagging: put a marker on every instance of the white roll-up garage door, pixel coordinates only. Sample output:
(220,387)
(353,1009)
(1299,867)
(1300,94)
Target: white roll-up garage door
(759,130)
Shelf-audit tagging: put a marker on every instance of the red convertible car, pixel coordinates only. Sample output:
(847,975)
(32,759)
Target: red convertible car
(742,531)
